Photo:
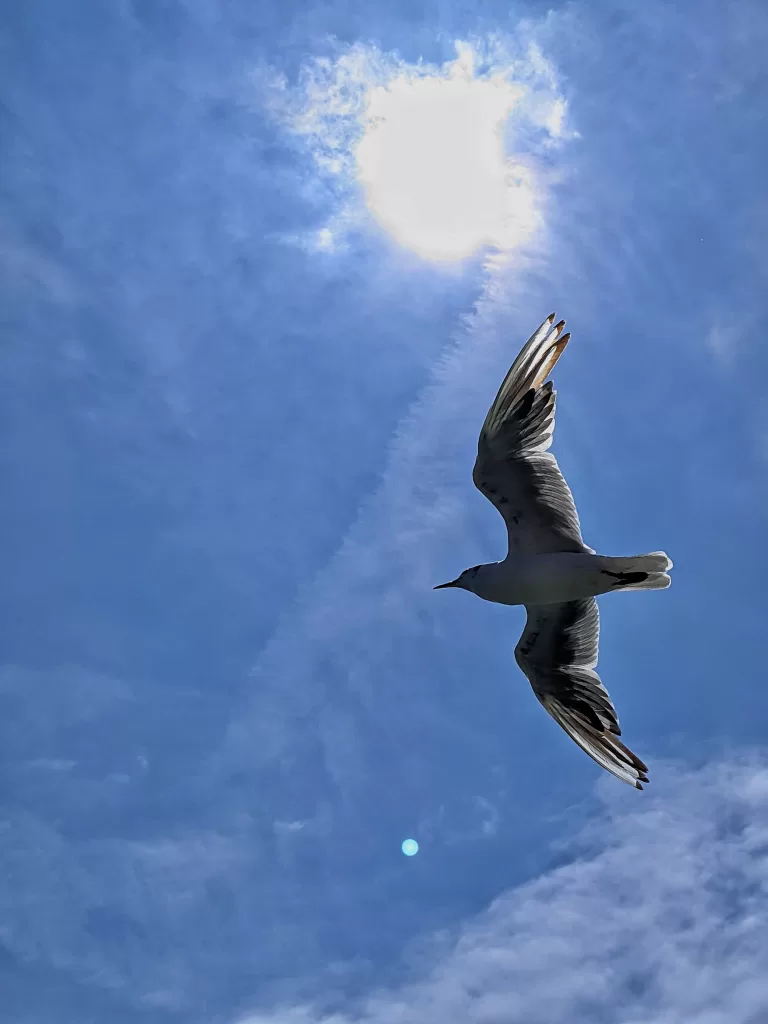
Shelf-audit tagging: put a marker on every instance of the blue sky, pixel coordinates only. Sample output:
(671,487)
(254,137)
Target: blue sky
(240,401)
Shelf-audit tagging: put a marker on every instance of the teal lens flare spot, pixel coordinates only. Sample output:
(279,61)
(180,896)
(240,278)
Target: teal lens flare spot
(410,847)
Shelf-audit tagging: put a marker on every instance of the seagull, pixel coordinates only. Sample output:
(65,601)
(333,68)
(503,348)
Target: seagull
(549,569)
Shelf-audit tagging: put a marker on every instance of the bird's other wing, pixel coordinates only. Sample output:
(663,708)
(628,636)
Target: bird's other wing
(513,468)
(558,654)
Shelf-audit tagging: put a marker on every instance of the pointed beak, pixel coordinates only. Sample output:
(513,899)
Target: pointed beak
(442,586)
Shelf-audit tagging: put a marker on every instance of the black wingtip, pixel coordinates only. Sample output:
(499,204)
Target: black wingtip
(525,404)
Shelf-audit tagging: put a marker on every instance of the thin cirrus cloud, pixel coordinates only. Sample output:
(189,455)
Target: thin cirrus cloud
(660,914)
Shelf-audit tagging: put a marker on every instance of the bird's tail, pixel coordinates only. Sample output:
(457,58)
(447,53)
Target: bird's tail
(638,572)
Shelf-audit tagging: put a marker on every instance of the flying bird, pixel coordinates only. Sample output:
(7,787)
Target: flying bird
(548,567)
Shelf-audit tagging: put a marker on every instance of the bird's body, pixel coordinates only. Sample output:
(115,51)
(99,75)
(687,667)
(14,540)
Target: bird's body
(548,567)
(551,578)
(563,576)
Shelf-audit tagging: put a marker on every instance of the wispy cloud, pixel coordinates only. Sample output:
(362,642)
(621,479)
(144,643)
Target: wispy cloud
(378,582)
(660,914)
(727,340)
(27,266)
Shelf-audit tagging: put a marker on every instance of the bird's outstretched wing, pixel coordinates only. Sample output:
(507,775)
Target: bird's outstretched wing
(513,468)
(558,654)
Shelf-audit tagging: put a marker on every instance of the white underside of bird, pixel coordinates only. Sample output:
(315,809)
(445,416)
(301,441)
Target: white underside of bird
(548,567)
(565,576)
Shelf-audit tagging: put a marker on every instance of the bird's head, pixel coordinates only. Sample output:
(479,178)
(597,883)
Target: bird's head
(464,582)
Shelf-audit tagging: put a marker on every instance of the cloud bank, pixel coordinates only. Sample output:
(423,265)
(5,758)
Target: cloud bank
(660,914)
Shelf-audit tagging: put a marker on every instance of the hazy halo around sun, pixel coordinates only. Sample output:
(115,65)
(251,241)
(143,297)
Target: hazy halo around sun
(447,159)
(432,163)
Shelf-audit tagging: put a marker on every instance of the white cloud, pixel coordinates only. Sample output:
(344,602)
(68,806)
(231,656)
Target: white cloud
(661,916)
(444,157)
(726,341)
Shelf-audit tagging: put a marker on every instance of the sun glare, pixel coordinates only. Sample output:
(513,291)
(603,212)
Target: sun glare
(447,157)
(433,166)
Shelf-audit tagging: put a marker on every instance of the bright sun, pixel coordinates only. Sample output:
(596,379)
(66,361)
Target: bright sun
(433,166)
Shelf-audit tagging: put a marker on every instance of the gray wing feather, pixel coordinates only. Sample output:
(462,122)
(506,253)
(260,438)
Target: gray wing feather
(558,654)
(513,468)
